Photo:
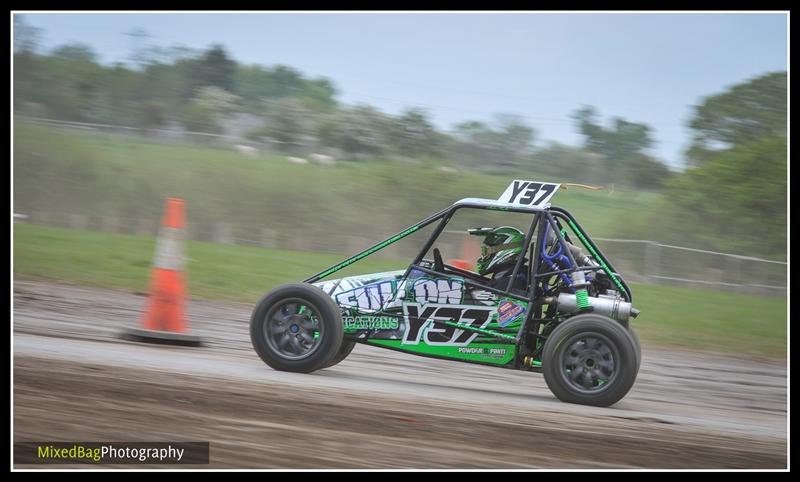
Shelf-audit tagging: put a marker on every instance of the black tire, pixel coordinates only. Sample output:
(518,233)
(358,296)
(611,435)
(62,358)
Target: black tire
(590,360)
(638,345)
(344,350)
(635,340)
(316,317)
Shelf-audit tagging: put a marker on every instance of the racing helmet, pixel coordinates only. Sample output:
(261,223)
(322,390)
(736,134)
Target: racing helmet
(500,248)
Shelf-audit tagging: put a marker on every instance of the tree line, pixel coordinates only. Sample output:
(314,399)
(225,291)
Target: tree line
(199,90)
(731,196)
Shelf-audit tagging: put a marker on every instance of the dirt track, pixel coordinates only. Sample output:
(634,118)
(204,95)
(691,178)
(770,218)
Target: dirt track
(74,379)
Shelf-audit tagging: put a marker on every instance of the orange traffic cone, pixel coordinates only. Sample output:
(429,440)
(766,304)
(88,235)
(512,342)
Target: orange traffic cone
(470,249)
(461,264)
(165,321)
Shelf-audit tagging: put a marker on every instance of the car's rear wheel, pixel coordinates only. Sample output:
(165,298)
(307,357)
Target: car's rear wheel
(590,360)
(296,328)
(638,344)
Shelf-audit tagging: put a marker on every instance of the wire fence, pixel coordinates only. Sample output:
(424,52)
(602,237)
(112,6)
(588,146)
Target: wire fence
(119,128)
(645,261)
(164,135)
(657,263)
(641,261)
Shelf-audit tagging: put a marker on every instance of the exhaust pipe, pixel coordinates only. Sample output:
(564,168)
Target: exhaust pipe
(611,306)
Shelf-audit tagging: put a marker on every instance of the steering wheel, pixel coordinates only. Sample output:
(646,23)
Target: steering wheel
(438,264)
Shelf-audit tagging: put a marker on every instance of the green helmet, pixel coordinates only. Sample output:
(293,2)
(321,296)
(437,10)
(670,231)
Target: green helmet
(500,248)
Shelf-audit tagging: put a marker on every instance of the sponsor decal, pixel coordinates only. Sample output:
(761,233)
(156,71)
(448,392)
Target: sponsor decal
(497,352)
(374,296)
(507,311)
(424,323)
(485,352)
(481,296)
(370,323)
(368,297)
(437,291)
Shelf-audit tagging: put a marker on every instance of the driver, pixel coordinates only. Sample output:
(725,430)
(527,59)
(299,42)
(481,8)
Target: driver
(500,251)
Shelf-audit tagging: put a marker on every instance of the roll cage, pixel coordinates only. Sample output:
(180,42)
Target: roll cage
(540,253)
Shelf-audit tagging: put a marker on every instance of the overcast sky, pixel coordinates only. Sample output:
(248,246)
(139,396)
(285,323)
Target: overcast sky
(647,68)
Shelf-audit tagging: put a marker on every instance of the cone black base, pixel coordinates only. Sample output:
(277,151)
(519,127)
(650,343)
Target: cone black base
(161,337)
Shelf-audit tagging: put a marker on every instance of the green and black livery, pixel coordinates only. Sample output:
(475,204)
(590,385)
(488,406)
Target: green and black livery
(571,321)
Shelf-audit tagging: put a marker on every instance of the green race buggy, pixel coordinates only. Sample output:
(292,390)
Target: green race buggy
(564,310)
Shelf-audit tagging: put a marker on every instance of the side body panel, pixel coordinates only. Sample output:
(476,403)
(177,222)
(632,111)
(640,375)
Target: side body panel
(430,314)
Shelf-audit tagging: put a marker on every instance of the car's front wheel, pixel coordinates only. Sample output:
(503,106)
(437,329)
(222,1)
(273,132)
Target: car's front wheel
(296,328)
(591,360)
(344,351)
